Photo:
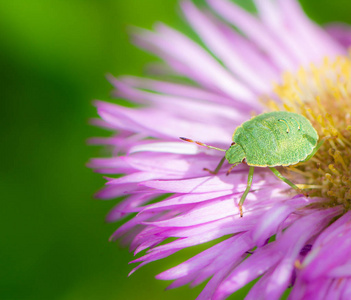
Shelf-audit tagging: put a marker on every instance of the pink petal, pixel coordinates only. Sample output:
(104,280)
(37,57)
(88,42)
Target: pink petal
(149,120)
(311,35)
(254,266)
(208,257)
(254,30)
(175,89)
(219,44)
(270,221)
(113,163)
(283,31)
(173,165)
(183,200)
(129,205)
(235,182)
(205,212)
(346,293)
(341,33)
(332,247)
(168,147)
(254,56)
(255,292)
(182,106)
(137,220)
(205,67)
(117,190)
(285,249)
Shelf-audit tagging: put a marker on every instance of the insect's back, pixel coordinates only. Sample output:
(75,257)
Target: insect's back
(276,139)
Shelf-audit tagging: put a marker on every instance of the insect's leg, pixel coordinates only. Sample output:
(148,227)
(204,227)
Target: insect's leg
(248,187)
(281,177)
(231,168)
(217,168)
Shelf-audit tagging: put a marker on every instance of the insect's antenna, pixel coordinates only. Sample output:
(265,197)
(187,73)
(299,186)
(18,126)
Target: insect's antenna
(201,144)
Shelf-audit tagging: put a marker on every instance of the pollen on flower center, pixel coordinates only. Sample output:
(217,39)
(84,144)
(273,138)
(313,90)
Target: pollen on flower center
(323,95)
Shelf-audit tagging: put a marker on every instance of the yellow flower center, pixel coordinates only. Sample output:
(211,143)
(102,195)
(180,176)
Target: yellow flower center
(323,95)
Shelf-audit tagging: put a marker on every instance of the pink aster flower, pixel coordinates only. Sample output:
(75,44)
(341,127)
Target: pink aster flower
(280,60)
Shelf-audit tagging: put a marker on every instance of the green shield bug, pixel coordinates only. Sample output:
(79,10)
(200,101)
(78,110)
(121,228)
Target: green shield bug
(270,140)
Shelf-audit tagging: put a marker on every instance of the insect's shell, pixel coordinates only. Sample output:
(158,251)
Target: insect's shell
(267,143)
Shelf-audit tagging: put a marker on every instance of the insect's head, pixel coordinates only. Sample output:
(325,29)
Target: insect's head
(235,154)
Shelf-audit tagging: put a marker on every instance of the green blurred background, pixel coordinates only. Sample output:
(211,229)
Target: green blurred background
(54,57)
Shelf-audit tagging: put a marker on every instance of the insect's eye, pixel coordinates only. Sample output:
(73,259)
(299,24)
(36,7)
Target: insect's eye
(232,144)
